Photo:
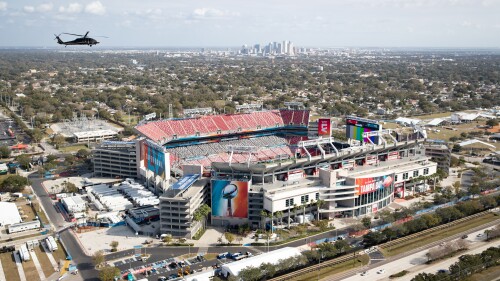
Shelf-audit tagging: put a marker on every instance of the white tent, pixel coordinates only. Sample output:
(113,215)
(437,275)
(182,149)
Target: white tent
(200,276)
(273,257)
(9,214)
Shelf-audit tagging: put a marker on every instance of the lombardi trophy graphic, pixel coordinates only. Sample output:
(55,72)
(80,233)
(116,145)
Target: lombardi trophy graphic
(229,192)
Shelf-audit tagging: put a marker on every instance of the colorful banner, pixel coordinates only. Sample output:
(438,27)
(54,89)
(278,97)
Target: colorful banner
(154,158)
(324,127)
(185,182)
(368,185)
(229,198)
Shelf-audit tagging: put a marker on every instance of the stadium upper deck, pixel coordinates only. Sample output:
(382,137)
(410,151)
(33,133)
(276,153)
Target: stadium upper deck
(163,131)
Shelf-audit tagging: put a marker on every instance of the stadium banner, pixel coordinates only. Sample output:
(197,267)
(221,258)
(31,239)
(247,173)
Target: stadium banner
(324,127)
(368,185)
(295,175)
(393,155)
(371,159)
(155,159)
(348,164)
(230,198)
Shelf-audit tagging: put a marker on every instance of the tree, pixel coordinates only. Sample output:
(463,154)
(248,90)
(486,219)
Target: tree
(319,203)
(229,237)
(250,274)
(4,151)
(70,187)
(109,273)
(167,239)
(36,135)
(83,153)
(14,183)
(492,122)
(264,215)
(24,161)
(114,246)
(341,245)
(268,269)
(69,160)
(58,140)
(98,258)
(366,221)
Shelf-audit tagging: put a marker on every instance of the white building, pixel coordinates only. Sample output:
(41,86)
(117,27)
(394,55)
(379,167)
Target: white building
(24,226)
(9,214)
(24,253)
(272,257)
(74,204)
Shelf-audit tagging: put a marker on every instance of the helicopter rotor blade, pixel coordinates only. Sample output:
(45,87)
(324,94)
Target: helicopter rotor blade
(85,36)
(72,34)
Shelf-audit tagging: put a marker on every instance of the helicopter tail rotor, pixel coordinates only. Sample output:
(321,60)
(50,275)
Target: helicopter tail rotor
(59,41)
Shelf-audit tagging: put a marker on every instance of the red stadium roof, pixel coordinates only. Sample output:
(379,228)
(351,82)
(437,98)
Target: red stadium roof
(164,130)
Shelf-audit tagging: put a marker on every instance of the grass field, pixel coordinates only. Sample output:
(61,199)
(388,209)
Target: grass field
(30,271)
(446,134)
(44,261)
(59,254)
(9,267)
(40,211)
(210,256)
(133,119)
(72,148)
(28,211)
(435,115)
(428,238)
(329,271)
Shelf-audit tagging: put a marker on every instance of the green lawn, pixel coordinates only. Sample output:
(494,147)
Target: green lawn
(446,134)
(485,275)
(428,238)
(72,148)
(9,267)
(30,271)
(44,261)
(331,270)
(59,254)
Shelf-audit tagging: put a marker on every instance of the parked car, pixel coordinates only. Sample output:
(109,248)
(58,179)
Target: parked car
(364,273)
(381,271)
(464,236)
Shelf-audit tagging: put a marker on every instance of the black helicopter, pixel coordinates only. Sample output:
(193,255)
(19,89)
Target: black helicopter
(83,40)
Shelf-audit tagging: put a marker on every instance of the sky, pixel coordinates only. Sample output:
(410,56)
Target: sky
(233,23)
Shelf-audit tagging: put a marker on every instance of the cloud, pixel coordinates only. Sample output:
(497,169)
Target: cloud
(3,6)
(210,13)
(42,8)
(46,7)
(29,9)
(73,8)
(96,8)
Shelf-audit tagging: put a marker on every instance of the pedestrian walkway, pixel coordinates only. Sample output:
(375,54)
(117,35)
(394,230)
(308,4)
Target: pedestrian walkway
(64,269)
(202,250)
(2,274)
(19,267)
(50,256)
(37,265)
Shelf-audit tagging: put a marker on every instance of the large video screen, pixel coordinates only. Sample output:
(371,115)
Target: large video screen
(368,185)
(154,158)
(229,198)
(355,127)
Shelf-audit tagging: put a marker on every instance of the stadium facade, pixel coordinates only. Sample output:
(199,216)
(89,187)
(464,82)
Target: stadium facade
(241,164)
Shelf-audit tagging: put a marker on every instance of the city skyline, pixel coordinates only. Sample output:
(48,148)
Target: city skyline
(359,23)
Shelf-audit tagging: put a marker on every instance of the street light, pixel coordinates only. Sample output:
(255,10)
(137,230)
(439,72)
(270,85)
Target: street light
(319,262)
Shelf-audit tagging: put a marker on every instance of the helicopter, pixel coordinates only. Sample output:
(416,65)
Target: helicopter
(83,40)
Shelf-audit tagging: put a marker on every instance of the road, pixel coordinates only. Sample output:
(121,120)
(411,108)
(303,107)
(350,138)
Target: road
(413,260)
(84,263)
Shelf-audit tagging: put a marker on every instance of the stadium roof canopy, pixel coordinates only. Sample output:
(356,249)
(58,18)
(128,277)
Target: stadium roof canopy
(273,257)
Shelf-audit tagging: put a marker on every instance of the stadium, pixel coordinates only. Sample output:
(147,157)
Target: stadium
(278,161)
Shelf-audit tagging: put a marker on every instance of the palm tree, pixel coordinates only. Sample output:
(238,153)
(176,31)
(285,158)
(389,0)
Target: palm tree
(279,214)
(318,204)
(264,215)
